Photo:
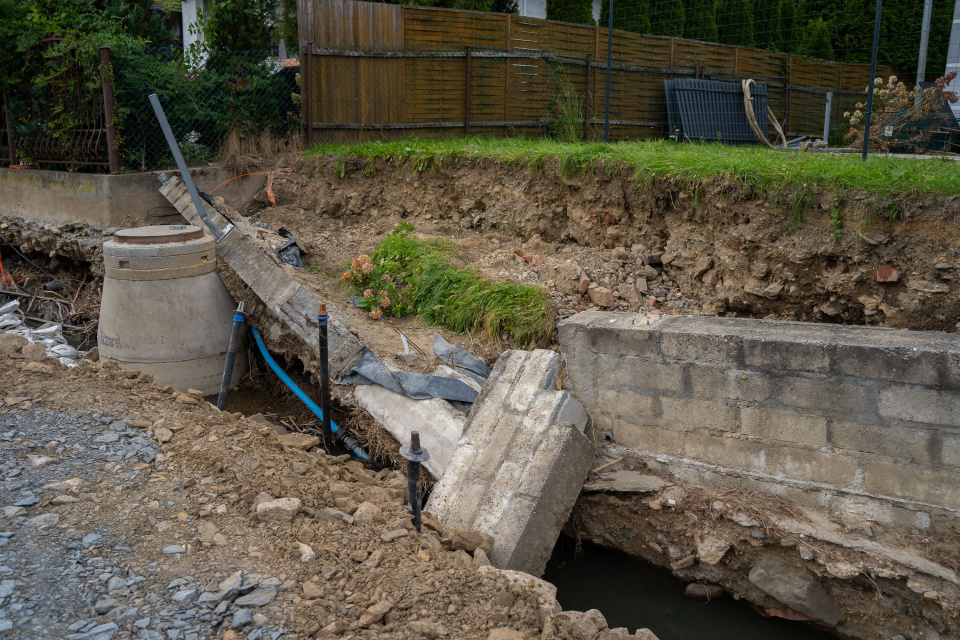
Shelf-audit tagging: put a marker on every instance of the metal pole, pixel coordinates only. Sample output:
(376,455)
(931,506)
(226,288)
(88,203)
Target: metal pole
(322,319)
(238,317)
(826,118)
(113,153)
(218,233)
(924,42)
(587,97)
(606,122)
(466,100)
(873,76)
(414,454)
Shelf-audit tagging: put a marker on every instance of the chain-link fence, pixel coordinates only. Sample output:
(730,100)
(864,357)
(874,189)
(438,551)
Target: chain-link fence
(205,98)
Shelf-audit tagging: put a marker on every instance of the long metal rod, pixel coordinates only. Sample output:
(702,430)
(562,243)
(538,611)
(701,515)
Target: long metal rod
(873,77)
(322,319)
(11,144)
(826,118)
(218,233)
(587,98)
(606,123)
(238,317)
(466,99)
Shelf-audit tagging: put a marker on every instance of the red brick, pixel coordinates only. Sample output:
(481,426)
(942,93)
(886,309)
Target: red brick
(536,260)
(584,282)
(886,273)
(601,296)
(711,278)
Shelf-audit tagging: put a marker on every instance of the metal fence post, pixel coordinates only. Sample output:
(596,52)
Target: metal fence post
(826,118)
(606,122)
(10,141)
(587,98)
(466,100)
(113,153)
(873,76)
(306,100)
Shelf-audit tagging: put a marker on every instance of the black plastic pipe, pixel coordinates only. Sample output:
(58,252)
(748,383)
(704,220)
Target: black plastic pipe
(322,319)
(238,317)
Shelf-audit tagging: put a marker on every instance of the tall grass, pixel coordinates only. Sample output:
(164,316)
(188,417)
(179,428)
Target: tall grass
(763,168)
(416,276)
(567,110)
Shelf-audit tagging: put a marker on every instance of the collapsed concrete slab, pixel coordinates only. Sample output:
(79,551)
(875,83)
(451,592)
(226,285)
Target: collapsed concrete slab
(520,463)
(288,301)
(439,424)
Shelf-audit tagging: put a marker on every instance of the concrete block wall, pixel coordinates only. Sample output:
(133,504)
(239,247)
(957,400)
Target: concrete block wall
(862,421)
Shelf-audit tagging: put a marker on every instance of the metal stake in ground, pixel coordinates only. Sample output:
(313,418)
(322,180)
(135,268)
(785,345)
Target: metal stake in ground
(322,319)
(238,317)
(414,455)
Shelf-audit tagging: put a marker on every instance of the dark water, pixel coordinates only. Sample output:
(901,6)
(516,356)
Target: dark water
(635,594)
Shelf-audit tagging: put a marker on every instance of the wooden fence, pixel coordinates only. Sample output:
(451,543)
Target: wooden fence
(377,70)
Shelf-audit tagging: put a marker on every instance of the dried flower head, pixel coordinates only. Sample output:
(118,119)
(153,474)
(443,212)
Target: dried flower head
(367,267)
(377,313)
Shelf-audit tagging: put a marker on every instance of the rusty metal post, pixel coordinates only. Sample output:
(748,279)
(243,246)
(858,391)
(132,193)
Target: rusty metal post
(9,120)
(306,100)
(113,152)
(415,454)
(587,98)
(466,101)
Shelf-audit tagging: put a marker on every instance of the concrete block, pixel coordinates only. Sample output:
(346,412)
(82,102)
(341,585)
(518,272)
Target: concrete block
(826,395)
(518,470)
(901,443)
(951,377)
(722,382)
(439,424)
(811,466)
(687,414)
(688,344)
(785,426)
(772,354)
(950,449)
(878,360)
(931,486)
(631,373)
(624,337)
(631,406)
(730,453)
(920,405)
(649,439)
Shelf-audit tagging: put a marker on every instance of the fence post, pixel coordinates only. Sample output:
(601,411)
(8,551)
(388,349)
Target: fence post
(606,119)
(587,98)
(873,76)
(306,100)
(466,100)
(113,153)
(826,118)
(9,121)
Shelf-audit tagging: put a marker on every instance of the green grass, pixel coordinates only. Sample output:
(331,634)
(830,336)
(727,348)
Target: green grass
(649,160)
(416,276)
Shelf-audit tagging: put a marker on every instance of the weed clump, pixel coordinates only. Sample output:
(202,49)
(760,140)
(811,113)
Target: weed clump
(407,275)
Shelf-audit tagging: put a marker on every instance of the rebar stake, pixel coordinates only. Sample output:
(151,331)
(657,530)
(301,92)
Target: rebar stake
(238,317)
(414,455)
(322,319)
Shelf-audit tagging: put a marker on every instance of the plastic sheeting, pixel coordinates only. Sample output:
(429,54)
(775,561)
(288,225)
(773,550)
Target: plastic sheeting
(50,337)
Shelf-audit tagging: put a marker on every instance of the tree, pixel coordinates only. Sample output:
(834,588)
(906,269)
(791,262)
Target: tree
(791,37)
(817,43)
(767,24)
(629,15)
(240,25)
(139,19)
(667,18)
(578,11)
(735,22)
(701,20)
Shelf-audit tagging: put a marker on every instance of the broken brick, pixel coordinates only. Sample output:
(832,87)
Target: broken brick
(886,273)
(710,278)
(584,283)
(601,296)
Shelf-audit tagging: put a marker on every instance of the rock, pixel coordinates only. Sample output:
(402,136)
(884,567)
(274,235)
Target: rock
(104,605)
(257,598)
(241,619)
(34,352)
(11,343)
(427,629)
(408,358)
(139,424)
(313,590)
(574,625)
(90,539)
(366,512)
(711,548)
(333,515)
(640,284)
(306,552)
(601,296)
(375,613)
(703,264)
(184,595)
(7,587)
(703,591)
(465,540)
(278,511)
(374,560)
(503,633)
(99,632)
(583,283)
(886,273)
(114,583)
(332,630)
(38,367)
(480,559)
(795,588)
(62,499)
(44,521)
(185,399)
(684,563)
(300,441)
(396,534)
(194,393)
(629,293)
(162,434)
(545,592)
(174,549)
(13,512)
(231,583)
(208,531)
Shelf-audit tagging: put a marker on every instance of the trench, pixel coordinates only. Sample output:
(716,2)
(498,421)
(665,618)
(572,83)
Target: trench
(635,594)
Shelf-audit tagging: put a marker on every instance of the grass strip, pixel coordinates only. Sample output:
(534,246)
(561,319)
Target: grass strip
(408,275)
(761,167)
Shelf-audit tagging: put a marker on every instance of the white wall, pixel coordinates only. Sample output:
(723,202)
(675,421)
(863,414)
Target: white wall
(538,8)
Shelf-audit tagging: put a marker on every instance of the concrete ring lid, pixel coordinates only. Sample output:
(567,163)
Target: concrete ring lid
(159,234)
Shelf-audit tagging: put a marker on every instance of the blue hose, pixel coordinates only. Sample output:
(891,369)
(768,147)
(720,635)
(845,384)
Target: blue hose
(357,451)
